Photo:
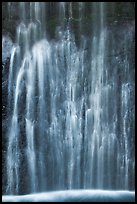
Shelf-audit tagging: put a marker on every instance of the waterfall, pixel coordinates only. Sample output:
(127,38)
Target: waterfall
(70,105)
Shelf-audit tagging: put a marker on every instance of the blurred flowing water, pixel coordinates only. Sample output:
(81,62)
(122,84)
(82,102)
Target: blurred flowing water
(71,108)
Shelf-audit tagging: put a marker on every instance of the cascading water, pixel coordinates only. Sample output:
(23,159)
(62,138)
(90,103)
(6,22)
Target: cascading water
(70,111)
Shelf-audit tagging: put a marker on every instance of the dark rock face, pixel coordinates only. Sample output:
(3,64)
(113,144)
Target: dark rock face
(119,22)
(6,53)
(119,12)
(6,48)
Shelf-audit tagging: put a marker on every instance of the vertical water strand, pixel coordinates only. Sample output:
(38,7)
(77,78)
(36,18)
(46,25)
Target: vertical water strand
(39,13)
(43,7)
(81,6)
(59,88)
(124,98)
(74,116)
(68,116)
(35,21)
(56,118)
(59,91)
(70,11)
(9,10)
(62,13)
(41,109)
(13,152)
(30,109)
(125,102)
(69,138)
(57,101)
(91,110)
(40,55)
(31,11)
(56,122)
(126,112)
(53,130)
(100,88)
(81,100)
(96,110)
(22,42)
(97,65)
(10,79)
(22,11)
(80,93)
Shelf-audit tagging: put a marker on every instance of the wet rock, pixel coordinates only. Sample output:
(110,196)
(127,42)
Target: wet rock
(6,48)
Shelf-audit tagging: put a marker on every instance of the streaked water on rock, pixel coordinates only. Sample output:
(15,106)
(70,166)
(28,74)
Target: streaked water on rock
(71,107)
